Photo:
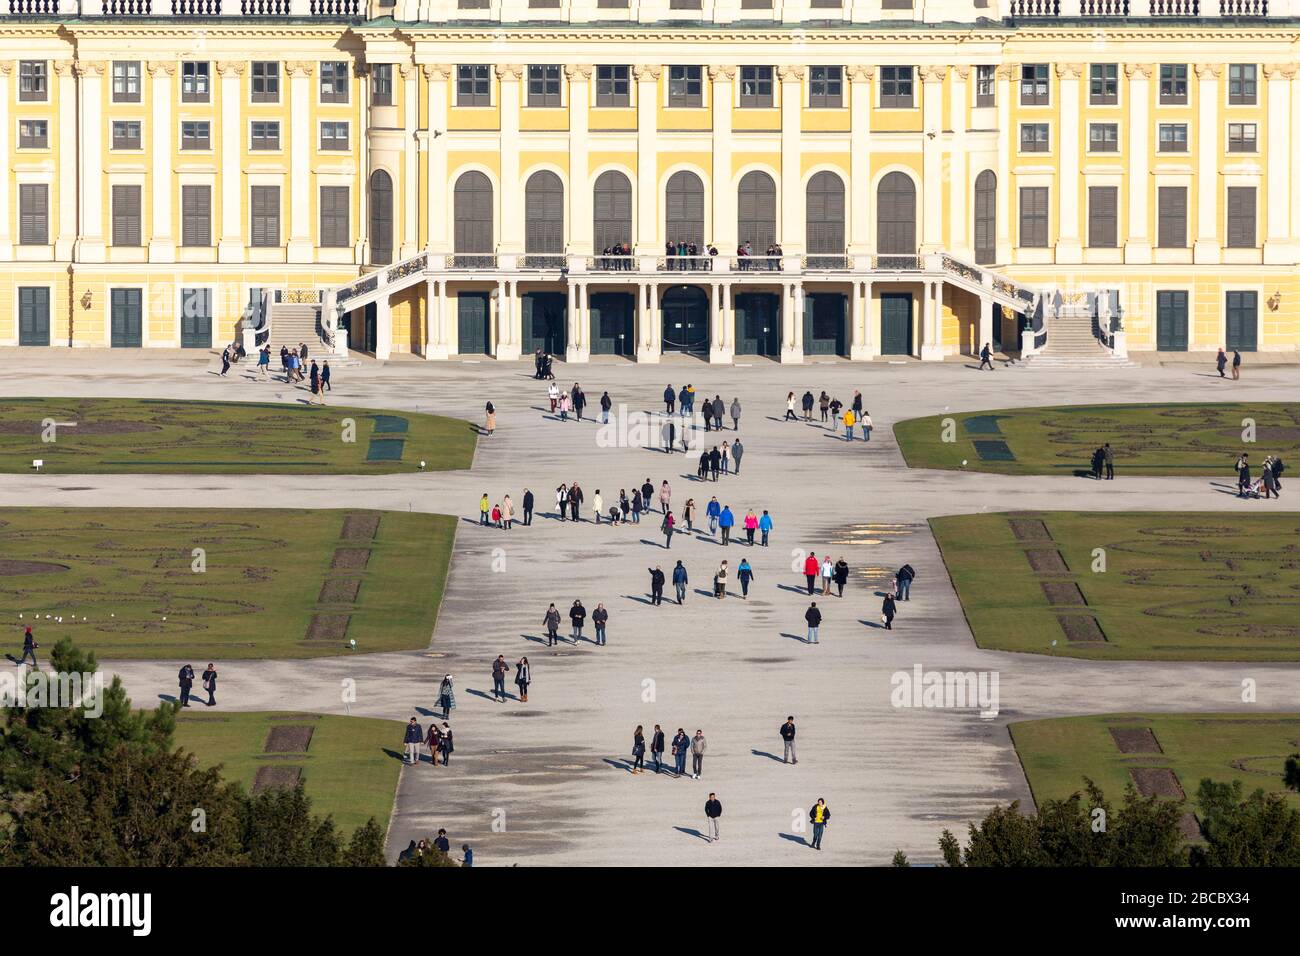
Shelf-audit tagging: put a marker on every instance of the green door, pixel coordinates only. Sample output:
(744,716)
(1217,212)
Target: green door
(1242,320)
(686,320)
(896,323)
(545,316)
(612,330)
(196,318)
(758,324)
(33,315)
(126,311)
(825,320)
(1171,320)
(472,314)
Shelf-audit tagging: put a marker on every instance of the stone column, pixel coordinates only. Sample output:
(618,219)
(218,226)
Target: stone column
(792,324)
(961,198)
(932,323)
(792,225)
(508,324)
(436,190)
(383,328)
(1281,164)
(1006,143)
(66,239)
(1138,247)
(581,228)
(721,347)
(1069,142)
(1206,247)
(578,348)
(301,246)
(648,329)
(90,245)
(930,194)
(860,199)
(862,344)
(511,238)
(162,244)
(724,195)
(230,247)
(410,185)
(647,162)
(986,322)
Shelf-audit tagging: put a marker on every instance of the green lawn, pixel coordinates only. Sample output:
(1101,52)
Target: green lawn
(1057,754)
(277,583)
(1148,439)
(345,770)
(148,436)
(1175,586)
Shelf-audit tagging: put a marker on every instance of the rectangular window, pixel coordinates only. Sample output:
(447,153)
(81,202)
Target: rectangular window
(1173,84)
(196,215)
(1103,137)
(1103,84)
(1034,84)
(33,134)
(264,216)
(126,134)
(613,86)
(1171,205)
(755,87)
(986,85)
(1242,89)
(1103,217)
(473,85)
(33,214)
(265,135)
(1034,138)
(544,86)
(196,82)
(334,82)
(381,83)
(1033,217)
(334,214)
(1173,138)
(333,136)
(266,81)
(685,86)
(826,87)
(1241,217)
(126,216)
(33,81)
(896,88)
(196,134)
(1242,137)
(126,81)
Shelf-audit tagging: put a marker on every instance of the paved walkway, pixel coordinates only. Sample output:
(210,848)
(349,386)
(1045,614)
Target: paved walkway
(545,782)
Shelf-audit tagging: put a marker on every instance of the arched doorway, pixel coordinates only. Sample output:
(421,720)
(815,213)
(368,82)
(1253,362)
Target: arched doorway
(686,320)
(896,216)
(544,221)
(381,218)
(472,214)
(825,221)
(986,197)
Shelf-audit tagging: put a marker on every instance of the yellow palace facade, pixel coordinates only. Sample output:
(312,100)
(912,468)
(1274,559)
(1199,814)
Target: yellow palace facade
(719,178)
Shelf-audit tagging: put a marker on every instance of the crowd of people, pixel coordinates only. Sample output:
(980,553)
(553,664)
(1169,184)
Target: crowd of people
(770,261)
(684,256)
(1269,482)
(833,412)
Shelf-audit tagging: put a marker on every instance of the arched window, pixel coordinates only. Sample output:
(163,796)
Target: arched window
(543,214)
(756,215)
(473,216)
(381,218)
(825,215)
(896,215)
(612,210)
(684,208)
(986,218)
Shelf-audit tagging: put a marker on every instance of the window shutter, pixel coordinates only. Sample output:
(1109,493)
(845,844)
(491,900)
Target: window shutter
(1103,211)
(196,215)
(1241,217)
(126,215)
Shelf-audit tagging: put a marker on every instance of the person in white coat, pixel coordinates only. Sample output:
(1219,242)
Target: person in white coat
(828,572)
(598,504)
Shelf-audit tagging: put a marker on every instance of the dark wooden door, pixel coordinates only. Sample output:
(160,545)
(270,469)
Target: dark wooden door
(824,323)
(1242,321)
(126,311)
(758,324)
(612,330)
(33,315)
(1171,320)
(686,321)
(196,318)
(544,321)
(473,313)
(896,323)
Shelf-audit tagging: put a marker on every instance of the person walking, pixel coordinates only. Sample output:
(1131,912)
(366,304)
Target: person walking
(209,678)
(313,380)
(551,620)
(29,648)
(668,526)
(681,746)
(597,505)
(699,746)
(1243,476)
(325,379)
(1108,456)
(668,433)
(737,449)
(789,408)
(433,740)
(745,574)
(836,406)
(906,574)
(575,502)
(447,696)
(712,511)
(824,405)
(599,618)
(1236,365)
(665,496)
(448,744)
(225,361)
(726,521)
(688,514)
(414,738)
(523,677)
(606,403)
(484,509)
(887,611)
(528,507)
(787,737)
(670,397)
(751,525)
(489,419)
(712,817)
(647,494)
(507,513)
(715,462)
(819,816)
(680,580)
(637,505)
(726,458)
(864,422)
(1221,362)
(986,358)
(720,581)
(811,568)
(765,526)
(657,748)
(656,585)
(579,401)
(553,394)
(828,574)
(735,418)
(814,619)
(840,575)
(263,362)
(702,470)
(719,409)
(186,680)
(577,617)
(499,670)
(638,750)
(565,404)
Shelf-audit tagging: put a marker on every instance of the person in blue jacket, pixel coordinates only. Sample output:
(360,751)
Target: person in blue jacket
(712,512)
(414,738)
(726,521)
(746,574)
(765,525)
(680,581)
(670,396)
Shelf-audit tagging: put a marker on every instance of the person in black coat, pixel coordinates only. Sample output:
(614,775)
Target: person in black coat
(186,680)
(657,747)
(528,507)
(840,575)
(887,611)
(210,683)
(715,462)
(670,398)
(647,494)
(29,647)
(712,812)
(577,616)
(814,619)
(656,585)
(703,473)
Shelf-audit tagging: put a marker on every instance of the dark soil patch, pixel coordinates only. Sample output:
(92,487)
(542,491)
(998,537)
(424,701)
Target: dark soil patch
(288,739)
(1062,592)
(350,559)
(267,777)
(328,627)
(1189,826)
(339,591)
(1135,740)
(10,567)
(1081,629)
(360,527)
(1157,781)
(1030,529)
(1047,561)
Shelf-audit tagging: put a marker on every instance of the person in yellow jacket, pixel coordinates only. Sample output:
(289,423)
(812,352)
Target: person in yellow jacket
(849,422)
(484,506)
(819,816)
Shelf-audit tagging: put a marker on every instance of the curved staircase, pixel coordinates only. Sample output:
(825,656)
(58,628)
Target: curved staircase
(1072,344)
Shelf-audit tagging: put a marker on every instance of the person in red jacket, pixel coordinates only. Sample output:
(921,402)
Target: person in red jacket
(811,568)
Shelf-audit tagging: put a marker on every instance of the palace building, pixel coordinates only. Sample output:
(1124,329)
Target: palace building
(720,178)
